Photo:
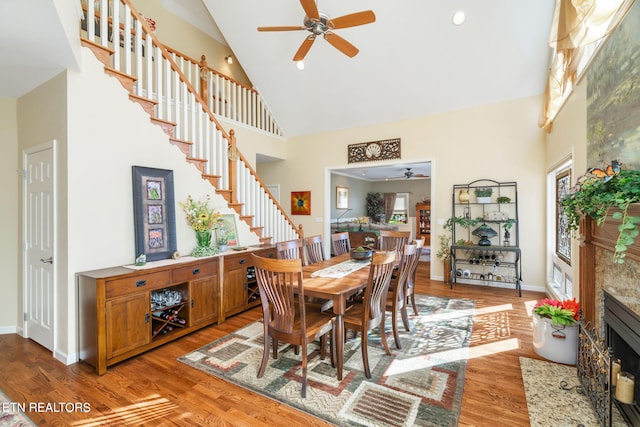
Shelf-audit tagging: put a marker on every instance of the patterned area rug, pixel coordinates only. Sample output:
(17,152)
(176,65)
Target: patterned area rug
(11,415)
(418,385)
(551,406)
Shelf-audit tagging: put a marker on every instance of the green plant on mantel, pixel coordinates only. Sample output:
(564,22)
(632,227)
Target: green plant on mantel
(599,190)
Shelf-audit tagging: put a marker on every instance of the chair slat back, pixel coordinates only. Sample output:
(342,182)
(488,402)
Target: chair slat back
(340,243)
(375,295)
(391,240)
(278,281)
(290,249)
(314,249)
(408,263)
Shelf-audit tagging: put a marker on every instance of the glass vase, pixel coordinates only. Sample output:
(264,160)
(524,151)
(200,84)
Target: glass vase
(204,248)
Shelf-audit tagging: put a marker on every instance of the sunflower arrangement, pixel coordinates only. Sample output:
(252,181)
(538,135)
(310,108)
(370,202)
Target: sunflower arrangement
(200,216)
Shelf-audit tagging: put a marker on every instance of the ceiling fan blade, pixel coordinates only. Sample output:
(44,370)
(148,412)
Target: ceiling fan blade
(310,8)
(341,44)
(353,20)
(304,48)
(291,28)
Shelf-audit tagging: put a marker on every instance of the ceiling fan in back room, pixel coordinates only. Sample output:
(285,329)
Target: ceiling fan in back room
(410,174)
(320,24)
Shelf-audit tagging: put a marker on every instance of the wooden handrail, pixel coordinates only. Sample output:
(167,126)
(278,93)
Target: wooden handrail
(232,143)
(230,137)
(224,76)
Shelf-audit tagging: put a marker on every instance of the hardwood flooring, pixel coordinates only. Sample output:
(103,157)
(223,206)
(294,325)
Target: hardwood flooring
(156,390)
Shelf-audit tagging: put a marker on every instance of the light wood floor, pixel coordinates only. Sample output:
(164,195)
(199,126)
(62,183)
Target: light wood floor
(154,389)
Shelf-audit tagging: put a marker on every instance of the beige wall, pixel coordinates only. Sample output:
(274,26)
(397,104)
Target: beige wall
(187,39)
(501,142)
(42,117)
(9,229)
(568,138)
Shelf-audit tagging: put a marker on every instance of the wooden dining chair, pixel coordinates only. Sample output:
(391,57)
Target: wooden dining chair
(340,243)
(392,240)
(411,297)
(286,317)
(291,249)
(294,249)
(313,249)
(397,296)
(369,314)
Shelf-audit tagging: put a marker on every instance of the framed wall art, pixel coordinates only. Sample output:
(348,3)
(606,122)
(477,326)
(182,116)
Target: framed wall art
(227,228)
(301,202)
(342,198)
(154,212)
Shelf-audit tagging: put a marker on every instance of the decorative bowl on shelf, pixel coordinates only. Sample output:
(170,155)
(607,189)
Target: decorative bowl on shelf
(361,253)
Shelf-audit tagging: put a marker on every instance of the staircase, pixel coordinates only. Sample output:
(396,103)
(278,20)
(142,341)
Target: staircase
(153,78)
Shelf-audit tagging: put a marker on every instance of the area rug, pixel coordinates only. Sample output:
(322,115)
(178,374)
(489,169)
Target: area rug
(419,385)
(12,414)
(553,399)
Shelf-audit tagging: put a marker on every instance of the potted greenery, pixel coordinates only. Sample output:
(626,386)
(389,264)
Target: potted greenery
(444,254)
(598,192)
(503,199)
(375,206)
(222,240)
(555,330)
(483,194)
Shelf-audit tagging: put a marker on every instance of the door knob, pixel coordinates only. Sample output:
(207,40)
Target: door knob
(48,260)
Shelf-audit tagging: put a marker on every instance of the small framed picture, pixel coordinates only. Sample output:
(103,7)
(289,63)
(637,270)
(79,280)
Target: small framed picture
(301,202)
(342,198)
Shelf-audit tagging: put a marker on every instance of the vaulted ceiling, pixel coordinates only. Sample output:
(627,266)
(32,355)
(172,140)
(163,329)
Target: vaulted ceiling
(413,60)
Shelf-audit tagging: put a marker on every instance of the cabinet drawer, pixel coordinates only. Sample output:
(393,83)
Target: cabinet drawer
(118,287)
(236,262)
(194,272)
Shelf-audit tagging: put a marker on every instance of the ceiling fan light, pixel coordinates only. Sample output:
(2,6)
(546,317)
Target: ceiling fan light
(300,65)
(458,18)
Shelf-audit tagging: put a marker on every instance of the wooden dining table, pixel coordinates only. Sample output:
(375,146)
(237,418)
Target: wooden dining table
(338,290)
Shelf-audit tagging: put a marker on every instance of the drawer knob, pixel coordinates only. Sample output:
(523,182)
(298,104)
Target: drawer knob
(196,271)
(140,283)
(241,261)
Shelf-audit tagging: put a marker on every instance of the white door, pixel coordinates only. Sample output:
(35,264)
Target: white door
(38,238)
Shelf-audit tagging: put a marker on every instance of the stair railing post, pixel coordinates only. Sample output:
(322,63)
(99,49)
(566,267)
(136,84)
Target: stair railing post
(204,78)
(232,157)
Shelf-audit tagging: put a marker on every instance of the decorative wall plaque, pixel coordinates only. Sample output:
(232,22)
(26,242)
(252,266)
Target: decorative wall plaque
(374,150)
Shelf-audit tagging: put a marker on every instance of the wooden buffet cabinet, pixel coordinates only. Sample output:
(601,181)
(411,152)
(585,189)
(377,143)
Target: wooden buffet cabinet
(125,311)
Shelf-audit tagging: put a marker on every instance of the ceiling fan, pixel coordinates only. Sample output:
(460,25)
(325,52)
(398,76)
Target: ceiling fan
(410,174)
(318,23)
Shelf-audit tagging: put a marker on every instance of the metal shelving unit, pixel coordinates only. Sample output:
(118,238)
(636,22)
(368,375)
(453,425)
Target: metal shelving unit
(485,234)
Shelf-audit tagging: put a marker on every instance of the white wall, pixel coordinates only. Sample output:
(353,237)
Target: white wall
(501,141)
(98,143)
(9,229)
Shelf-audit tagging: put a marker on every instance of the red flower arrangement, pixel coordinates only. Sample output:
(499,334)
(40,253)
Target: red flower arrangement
(565,312)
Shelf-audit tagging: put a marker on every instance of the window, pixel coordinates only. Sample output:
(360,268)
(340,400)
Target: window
(560,271)
(563,234)
(400,209)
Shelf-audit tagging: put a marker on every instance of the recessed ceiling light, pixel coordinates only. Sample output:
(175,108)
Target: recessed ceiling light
(458,18)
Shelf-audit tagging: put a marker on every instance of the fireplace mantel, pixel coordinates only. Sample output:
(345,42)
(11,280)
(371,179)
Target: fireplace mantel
(605,237)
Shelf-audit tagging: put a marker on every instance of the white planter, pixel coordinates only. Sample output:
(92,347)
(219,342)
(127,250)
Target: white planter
(484,199)
(557,343)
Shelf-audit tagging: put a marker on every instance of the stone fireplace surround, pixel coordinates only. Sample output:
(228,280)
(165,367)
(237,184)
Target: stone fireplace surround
(616,286)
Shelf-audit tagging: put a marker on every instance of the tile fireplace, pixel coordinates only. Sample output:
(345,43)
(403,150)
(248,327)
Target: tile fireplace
(622,336)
